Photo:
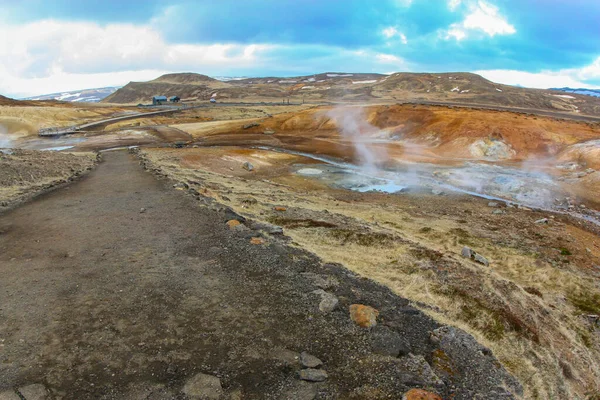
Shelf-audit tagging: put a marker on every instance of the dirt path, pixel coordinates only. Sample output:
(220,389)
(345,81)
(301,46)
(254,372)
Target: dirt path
(100,300)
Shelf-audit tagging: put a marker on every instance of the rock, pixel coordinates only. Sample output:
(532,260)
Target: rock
(363,316)
(249,201)
(142,210)
(269,132)
(493,204)
(420,368)
(203,386)
(481,260)
(542,221)
(279,208)
(467,252)
(9,395)
(257,240)
(309,361)
(420,394)
(437,192)
(498,212)
(386,342)
(36,391)
(321,281)
(232,223)
(312,375)
(251,125)
(328,303)
(247,166)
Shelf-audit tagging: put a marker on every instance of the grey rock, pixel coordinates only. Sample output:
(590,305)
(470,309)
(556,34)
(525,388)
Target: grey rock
(309,361)
(418,367)
(9,395)
(36,391)
(142,210)
(387,342)
(493,204)
(542,221)
(498,212)
(251,125)
(269,132)
(437,192)
(312,375)
(481,260)
(467,252)
(247,166)
(203,386)
(328,303)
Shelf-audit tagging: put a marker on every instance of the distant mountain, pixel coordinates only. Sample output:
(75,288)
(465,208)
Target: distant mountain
(587,92)
(364,88)
(86,95)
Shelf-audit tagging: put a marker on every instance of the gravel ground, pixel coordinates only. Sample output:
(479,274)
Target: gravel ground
(120,286)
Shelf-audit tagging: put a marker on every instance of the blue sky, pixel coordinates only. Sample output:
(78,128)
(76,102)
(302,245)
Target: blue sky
(50,46)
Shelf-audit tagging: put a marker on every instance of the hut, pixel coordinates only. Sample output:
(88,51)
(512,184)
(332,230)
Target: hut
(158,100)
(174,99)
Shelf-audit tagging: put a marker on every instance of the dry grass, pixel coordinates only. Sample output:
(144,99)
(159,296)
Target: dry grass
(524,308)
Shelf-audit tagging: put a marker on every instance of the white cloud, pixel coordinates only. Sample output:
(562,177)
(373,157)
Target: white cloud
(391,32)
(453,4)
(390,59)
(52,56)
(482,18)
(542,80)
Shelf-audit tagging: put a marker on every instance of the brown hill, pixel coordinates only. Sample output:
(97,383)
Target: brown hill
(5,101)
(459,88)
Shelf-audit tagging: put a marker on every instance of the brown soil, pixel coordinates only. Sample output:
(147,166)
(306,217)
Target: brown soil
(121,287)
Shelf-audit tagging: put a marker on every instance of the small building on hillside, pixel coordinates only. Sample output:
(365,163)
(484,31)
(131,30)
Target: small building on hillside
(174,99)
(158,100)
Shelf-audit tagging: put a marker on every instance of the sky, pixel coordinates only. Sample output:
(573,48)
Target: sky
(61,45)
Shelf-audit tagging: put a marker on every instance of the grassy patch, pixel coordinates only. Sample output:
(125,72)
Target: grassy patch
(300,223)
(586,302)
(362,238)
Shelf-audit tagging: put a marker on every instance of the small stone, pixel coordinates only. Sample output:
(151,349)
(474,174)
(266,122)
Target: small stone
(279,208)
(498,212)
(363,316)
(437,192)
(328,303)
(481,260)
(233,223)
(309,361)
(313,375)
(467,252)
(542,221)
(142,210)
(203,387)
(257,240)
(36,391)
(247,166)
(420,394)
(251,125)
(493,204)
(269,132)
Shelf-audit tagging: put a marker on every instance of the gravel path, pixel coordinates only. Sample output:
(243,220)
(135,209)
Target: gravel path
(121,287)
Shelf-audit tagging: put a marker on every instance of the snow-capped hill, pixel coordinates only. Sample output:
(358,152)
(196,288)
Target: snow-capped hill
(587,92)
(86,96)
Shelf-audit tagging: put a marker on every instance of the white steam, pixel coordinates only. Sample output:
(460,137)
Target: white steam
(5,139)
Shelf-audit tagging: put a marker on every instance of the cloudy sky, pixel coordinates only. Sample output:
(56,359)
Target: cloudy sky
(59,45)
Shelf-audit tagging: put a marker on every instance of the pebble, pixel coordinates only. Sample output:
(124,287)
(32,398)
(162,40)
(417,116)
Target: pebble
(142,210)
(313,375)
(309,361)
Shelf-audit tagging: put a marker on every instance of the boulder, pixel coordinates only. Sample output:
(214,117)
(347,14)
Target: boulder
(363,316)
(203,387)
(9,395)
(36,391)
(386,342)
(481,260)
(257,240)
(328,303)
(309,361)
(467,252)
(312,375)
(542,221)
(247,166)
(250,125)
(493,204)
(232,223)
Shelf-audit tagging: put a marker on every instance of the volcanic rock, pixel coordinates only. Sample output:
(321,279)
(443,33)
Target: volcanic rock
(312,375)
(203,387)
(309,361)
(420,394)
(247,166)
(363,316)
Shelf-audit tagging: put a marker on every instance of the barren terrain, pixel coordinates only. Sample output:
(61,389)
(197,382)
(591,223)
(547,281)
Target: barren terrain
(392,192)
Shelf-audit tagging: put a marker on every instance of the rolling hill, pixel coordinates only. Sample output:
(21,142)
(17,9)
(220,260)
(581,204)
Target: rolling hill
(85,96)
(459,88)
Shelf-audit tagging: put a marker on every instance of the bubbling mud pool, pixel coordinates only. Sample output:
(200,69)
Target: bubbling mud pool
(528,187)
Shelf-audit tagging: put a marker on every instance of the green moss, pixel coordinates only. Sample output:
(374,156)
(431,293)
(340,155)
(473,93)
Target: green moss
(565,251)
